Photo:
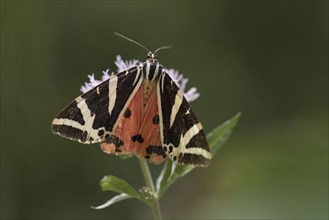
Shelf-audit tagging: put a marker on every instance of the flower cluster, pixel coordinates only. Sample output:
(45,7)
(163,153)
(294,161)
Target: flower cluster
(122,65)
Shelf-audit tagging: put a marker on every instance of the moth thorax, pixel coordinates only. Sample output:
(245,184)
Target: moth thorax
(151,71)
(148,87)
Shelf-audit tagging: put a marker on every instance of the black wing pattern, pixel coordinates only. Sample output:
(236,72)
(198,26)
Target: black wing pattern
(94,114)
(182,135)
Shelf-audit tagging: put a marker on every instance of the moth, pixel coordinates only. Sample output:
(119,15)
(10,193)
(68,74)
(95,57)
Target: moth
(139,111)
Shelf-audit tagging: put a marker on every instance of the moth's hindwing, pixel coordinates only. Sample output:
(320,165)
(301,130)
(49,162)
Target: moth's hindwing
(94,115)
(151,147)
(138,131)
(182,135)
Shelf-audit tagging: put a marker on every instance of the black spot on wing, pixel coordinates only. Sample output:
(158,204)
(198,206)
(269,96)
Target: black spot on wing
(156,119)
(112,139)
(151,149)
(73,112)
(127,113)
(100,133)
(137,137)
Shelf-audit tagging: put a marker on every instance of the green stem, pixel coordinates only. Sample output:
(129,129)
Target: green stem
(149,183)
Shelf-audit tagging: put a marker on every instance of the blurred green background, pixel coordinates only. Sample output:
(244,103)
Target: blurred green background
(268,60)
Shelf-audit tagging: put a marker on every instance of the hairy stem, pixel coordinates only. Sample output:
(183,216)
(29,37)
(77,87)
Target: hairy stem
(149,183)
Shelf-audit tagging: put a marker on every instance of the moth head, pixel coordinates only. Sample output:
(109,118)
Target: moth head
(152,57)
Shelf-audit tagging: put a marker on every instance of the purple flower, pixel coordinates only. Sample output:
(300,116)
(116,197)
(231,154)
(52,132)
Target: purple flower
(122,65)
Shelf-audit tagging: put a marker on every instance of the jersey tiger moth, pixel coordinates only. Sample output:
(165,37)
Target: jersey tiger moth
(138,111)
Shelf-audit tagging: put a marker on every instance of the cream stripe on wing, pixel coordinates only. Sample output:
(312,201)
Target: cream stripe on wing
(194,130)
(113,83)
(68,122)
(184,140)
(82,105)
(198,151)
(175,108)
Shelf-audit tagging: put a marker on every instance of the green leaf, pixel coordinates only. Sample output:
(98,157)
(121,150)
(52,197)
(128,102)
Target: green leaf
(164,175)
(216,139)
(115,184)
(115,199)
(176,171)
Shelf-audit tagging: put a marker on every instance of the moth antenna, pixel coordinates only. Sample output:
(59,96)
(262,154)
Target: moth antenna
(131,40)
(161,48)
